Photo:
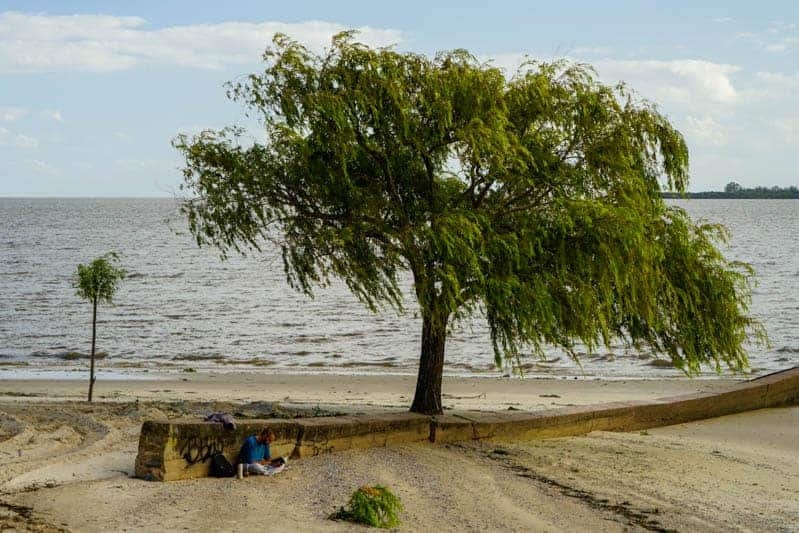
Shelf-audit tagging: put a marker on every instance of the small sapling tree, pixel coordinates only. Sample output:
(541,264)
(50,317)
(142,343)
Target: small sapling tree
(97,282)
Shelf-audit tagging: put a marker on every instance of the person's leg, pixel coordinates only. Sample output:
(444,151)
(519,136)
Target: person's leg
(257,469)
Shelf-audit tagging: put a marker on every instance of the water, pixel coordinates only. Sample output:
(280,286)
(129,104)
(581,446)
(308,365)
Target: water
(182,308)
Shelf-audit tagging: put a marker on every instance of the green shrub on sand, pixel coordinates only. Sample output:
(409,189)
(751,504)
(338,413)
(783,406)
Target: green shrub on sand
(374,506)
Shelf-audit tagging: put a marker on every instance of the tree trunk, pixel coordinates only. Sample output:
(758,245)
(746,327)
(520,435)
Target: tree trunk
(94,336)
(427,399)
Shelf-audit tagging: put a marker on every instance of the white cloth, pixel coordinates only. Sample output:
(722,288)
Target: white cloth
(264,470)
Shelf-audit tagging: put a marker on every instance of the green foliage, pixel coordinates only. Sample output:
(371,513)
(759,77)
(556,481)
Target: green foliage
(536,200)
(374,506)
(99,280)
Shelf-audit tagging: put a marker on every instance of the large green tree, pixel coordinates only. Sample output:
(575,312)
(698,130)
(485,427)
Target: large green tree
(535,200)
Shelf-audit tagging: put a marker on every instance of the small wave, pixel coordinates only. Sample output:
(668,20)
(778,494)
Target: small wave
(199,357)
(471,368)
(787,349)
(68,355)
(73,356)
(130,364)
(42,353)
(311,339)
(233,362)
(661,363)
(352,364)
(525,367)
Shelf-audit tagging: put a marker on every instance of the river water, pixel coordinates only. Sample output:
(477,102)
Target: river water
(183,309)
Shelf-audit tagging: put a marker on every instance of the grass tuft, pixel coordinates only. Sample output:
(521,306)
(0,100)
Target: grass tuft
(374,506)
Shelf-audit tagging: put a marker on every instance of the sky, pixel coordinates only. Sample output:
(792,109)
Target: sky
(93,92)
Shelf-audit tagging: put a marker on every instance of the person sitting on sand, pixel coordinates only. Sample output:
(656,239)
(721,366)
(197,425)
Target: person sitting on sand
(256,456)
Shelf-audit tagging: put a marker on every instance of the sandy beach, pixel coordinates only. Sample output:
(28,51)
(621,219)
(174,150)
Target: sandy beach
(68,465)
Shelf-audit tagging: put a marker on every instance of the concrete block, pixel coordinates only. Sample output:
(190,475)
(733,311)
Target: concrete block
(782,388)
(330,434)
(181,449)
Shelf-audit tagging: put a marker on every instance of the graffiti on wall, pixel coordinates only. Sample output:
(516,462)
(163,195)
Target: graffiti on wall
(199,449)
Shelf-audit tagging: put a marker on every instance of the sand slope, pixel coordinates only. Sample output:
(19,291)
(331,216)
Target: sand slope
(67,465)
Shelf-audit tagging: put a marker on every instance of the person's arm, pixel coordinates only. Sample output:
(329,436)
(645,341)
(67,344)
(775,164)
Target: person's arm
(247,452)
(267,457)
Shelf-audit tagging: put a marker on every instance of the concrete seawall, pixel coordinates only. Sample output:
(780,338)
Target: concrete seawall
(181,449)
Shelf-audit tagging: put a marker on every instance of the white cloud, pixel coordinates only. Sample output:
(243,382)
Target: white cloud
(783,44)
(778,47)
(779,37)
(693,83)
(99,43)
(704,129)
(12,114)
(42,167)
(16,140)
(776,88)
(775,99)
(52,114)
(788,129)
(682,81)
(732,117)
(83,165)
(142,164)
(777,80)
(23,141)
(592,50)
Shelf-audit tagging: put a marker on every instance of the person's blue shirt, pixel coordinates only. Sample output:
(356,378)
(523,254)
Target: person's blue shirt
(253,451)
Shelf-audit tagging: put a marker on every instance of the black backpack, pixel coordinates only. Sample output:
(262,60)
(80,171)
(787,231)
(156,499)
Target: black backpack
(221,467)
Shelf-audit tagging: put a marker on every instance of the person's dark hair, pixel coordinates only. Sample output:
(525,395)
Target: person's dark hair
(267,431)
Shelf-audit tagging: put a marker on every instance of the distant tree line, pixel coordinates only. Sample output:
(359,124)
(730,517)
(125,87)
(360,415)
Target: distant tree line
(734,190)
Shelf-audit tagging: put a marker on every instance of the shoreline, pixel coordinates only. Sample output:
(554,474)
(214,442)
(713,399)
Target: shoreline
(596,368)
(376,390)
